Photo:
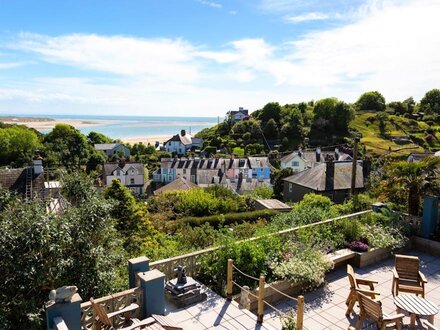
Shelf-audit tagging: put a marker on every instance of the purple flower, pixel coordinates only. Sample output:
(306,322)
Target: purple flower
(358,246)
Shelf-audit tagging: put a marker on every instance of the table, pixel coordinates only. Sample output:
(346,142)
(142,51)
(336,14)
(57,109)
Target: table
(416,306)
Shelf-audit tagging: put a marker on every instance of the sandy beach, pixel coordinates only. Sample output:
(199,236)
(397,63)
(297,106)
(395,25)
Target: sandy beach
(146,139)
(45,124)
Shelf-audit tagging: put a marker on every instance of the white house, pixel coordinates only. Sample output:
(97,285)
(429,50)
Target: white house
(111,149)
(181,143)
(131,175)
(241,114)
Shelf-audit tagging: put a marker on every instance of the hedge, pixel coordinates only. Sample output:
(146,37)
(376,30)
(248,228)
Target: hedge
(227,219)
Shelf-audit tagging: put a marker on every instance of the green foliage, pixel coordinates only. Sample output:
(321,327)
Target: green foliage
(371,101)
(254,149)
(288,321)
(270,111)
(98,138)
(331,117)
(271,129)
(278,181)
(430,103)
(18,145)
(380,236)
(239,152)
(41,251)
(302,264)
(65,146)
(228,218)
(263,192)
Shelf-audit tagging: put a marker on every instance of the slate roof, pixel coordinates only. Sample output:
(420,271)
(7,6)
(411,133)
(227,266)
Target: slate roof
(273,204)
(256,162)
(184,139)
(109,168)
(178,184)
(215,163)
(310,156)
(15,180)
(314,178)
(106,146)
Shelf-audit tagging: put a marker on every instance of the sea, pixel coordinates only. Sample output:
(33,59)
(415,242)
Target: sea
(128,126)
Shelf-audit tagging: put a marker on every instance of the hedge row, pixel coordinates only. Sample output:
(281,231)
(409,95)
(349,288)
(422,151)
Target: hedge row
(227,219)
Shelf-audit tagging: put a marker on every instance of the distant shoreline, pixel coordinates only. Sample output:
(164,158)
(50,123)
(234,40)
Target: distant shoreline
(49,123)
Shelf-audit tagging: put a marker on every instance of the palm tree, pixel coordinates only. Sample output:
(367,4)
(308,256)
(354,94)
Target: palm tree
(416,179)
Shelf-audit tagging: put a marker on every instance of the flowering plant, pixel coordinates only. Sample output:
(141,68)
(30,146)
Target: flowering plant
(358,246)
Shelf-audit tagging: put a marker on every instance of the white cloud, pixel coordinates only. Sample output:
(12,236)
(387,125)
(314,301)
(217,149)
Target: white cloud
(11,65)
(391,47)
(211,4)
(165,59)
(312,16)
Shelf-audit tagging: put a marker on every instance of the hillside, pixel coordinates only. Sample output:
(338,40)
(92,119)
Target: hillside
(379,129)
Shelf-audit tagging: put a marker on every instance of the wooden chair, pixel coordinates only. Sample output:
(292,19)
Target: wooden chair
(104,319)
(355,284)
(428,326)
(407,277)
(370,309)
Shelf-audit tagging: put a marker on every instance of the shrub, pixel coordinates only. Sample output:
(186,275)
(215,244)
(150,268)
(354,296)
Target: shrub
(383,237)
(228,218)
(303,265)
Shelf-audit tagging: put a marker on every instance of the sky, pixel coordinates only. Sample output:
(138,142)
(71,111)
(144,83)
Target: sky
(206,57)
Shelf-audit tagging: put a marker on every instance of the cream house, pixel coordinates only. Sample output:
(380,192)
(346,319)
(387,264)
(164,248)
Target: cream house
(131,175)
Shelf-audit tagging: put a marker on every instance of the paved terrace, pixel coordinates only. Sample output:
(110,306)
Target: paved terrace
(324,308)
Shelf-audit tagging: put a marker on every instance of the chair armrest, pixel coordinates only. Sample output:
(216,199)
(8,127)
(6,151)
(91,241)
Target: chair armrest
(422,277)
(394,317)
(365,281)
(126,309)
(396,276)
(429,326)
(369,293)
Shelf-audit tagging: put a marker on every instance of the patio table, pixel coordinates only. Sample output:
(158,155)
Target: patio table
(416,306)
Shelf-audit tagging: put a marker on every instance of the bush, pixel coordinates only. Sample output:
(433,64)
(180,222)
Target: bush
(302,264)
(358,246)
(228,218)
(383,237)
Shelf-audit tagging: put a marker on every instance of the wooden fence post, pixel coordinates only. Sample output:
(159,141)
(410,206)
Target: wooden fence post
(300,313)
(260,312)
(229,280)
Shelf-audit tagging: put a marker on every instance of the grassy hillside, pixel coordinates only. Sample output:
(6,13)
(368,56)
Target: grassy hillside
(378,132)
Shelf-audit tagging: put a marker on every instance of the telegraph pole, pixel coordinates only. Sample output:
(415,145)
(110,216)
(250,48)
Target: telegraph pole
(354,166)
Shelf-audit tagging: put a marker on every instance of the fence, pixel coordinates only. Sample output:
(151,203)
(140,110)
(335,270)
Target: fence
(190,260)
(261,295)
(111,304)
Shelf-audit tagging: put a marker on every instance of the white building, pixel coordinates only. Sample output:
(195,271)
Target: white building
(111,149)
(131,175)
(301,160)
(181,143)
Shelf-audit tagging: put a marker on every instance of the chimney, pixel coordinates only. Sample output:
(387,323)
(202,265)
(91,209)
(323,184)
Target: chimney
(336,154)
(182,132)
(318,154)
(300,152)
(329,174)
(38,166)
(366,168)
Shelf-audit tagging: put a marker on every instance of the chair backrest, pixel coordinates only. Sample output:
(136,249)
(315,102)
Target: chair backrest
(370,307)
(351,276)
(101,313)
(407,267)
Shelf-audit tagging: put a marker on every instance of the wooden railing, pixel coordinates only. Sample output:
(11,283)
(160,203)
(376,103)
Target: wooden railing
(113,303)
(190,260)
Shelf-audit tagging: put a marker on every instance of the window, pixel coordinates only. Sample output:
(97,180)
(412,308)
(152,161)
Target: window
(290,187)
(118,173)
(295,163)
(193,178)
(170,177)
(184,171)
(131,181)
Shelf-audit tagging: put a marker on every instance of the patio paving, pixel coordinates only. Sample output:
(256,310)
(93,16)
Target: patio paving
(324,307)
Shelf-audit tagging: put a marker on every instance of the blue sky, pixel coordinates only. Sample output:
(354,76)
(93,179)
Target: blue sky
(203,57)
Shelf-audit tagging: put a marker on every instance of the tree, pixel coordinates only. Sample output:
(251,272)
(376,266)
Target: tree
(18,145)
(271,129)
(98,138)
(371,101)
(399,107)
(431,101)
(67,146)
(41,251)
(332,115)
(270,111)
(411,181)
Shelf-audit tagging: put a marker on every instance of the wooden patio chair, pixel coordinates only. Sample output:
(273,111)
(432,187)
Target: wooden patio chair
(407,277)
(355,284)
(104,319)
(370,309)
(428,326)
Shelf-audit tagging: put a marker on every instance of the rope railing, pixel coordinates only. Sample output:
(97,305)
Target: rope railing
(260,297)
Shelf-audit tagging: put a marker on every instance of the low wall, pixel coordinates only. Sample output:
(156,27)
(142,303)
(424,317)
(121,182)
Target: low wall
(426,245)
